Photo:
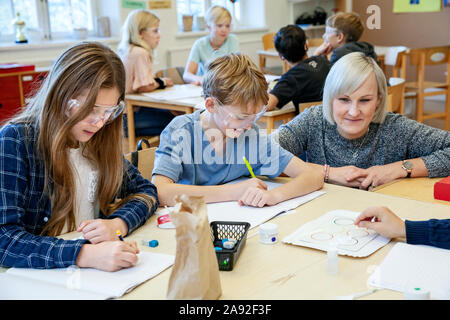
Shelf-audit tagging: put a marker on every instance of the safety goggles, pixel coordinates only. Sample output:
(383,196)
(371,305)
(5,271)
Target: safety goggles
(99,112)
(238,121)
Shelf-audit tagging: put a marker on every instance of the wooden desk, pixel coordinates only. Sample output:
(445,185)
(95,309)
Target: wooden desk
(302,274)
(421,189)
(283,271)
(189,105)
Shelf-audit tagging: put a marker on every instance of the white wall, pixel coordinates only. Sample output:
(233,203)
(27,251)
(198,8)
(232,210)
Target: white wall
(277,14)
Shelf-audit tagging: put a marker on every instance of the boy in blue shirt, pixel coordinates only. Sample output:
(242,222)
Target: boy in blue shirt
(200,152)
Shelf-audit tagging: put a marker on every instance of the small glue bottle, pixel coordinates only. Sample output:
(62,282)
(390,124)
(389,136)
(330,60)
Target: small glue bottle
(332,260)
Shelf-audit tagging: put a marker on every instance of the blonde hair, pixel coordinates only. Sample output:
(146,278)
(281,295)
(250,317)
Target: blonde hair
(346,76)
(349,23)
(235,79)
(84,68)
(136,22)
(216,14)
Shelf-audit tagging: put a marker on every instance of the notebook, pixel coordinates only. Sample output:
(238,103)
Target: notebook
(75,283)
(415,266)
(232,211)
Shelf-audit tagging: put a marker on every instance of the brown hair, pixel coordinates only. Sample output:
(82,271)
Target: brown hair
(349,23)
(85,68)
(235,79)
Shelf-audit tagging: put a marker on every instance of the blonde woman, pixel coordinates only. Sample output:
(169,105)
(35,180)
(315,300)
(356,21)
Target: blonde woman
(62,169)
(140,38)
(355,140)
(218,43)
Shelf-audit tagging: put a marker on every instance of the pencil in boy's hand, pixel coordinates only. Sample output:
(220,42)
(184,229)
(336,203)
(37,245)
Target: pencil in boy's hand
(249,167)
(119,235)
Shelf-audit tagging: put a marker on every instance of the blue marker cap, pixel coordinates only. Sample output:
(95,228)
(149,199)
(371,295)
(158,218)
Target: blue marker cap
(152,243)
(217,248)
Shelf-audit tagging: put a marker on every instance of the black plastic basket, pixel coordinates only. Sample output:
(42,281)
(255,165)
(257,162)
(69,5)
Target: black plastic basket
(220,230)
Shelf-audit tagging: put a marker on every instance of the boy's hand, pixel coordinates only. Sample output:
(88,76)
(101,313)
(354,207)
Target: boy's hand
(257,197)
(100,230)
(385,222)
(324,49)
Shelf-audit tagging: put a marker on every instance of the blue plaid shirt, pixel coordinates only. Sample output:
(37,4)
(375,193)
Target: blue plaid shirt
(25,208)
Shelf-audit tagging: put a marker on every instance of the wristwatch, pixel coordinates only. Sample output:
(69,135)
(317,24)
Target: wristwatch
(407,166)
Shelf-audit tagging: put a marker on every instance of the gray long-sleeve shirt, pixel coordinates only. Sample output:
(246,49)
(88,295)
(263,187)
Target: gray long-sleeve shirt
(398,138)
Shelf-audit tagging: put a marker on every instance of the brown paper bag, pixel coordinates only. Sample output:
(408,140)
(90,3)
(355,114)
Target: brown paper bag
(195,273)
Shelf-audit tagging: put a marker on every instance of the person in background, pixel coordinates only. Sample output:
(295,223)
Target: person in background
(382,220)
(356,141)
(218,43)
(304,81)
(140,38)
(342,32)
(62,169)
(200,152)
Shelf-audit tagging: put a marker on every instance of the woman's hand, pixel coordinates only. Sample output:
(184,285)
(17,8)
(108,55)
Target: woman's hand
(349,176)
(377,175)
(108,255)
(100,230)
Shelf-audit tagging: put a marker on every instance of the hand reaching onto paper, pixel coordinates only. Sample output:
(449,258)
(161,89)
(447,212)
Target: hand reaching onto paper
(383,221)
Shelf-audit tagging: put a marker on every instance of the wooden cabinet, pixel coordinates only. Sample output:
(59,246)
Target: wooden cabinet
(15,90)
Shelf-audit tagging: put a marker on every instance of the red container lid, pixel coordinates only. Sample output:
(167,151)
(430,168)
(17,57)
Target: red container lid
(14,67)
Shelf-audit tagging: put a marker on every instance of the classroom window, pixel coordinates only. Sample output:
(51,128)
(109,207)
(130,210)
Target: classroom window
(242,11)
(50,19)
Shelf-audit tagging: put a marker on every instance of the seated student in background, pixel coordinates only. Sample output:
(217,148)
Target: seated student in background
(431,233)
(356,141)
(62,167)
(200,152)
(140,37)
(303,82)
(342,32)
(218,43)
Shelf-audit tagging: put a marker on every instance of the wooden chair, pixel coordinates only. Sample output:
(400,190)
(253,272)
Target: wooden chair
(314,42)
(174,73)
(268,44)
(396,95)
(421,88)
(143,160)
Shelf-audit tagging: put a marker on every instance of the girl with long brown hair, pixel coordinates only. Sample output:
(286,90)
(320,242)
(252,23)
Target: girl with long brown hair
(62,168)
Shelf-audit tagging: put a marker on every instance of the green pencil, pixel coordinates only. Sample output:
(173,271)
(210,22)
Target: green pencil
(249,167)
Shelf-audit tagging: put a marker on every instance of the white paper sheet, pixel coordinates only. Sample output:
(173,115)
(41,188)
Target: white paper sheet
(94,283)
(415,266)
(232,211)
(177,92)
(336,228)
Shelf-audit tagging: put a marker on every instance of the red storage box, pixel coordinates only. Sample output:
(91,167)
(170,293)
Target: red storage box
(442,189)
(14,67)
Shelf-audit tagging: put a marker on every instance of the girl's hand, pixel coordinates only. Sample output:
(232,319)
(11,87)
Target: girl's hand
(108,255)
(100,230)
(168,82)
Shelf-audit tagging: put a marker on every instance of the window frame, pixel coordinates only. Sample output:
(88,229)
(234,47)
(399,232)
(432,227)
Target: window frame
(237,26)
(44,26)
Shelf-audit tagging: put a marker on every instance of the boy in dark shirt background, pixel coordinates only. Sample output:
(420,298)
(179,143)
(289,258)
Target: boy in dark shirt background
(304,81)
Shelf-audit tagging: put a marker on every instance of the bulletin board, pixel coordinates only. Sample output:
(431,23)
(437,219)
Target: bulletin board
(417,6)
